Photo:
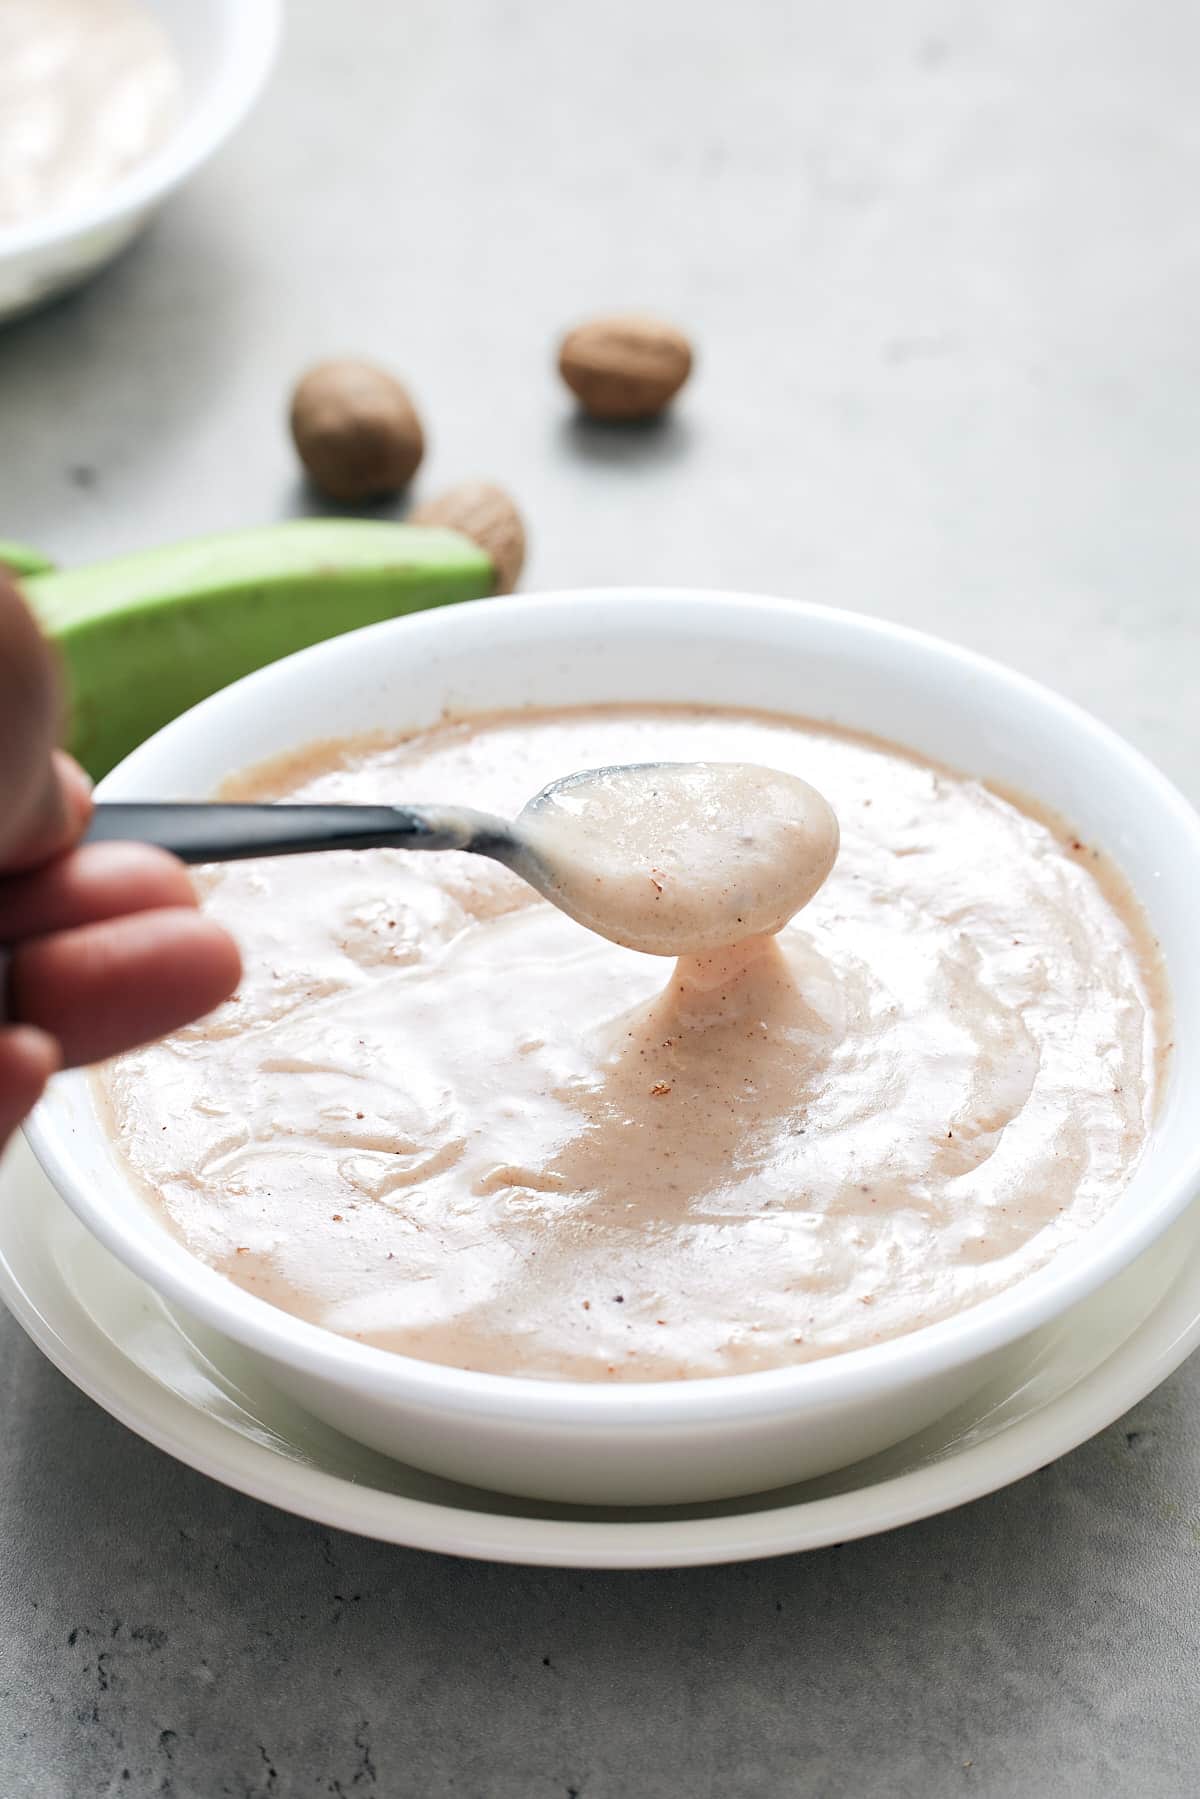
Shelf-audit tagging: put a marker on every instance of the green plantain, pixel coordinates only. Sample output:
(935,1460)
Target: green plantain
(143,637)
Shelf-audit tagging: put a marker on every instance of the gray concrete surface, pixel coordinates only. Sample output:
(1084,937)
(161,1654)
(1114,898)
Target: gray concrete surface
(942,262)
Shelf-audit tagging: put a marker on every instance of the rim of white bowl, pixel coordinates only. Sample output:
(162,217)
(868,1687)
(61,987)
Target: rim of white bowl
(249,47)
(873,1371)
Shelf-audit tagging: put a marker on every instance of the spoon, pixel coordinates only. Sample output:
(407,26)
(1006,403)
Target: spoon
(670,858)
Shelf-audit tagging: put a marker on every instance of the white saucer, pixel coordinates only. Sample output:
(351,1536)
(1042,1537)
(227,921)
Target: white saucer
(192,1394)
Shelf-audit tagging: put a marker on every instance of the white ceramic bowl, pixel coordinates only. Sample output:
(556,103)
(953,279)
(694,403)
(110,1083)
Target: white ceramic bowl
(701,1439)
(225,50)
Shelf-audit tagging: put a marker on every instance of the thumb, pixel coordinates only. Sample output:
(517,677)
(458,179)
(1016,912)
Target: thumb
(31,798)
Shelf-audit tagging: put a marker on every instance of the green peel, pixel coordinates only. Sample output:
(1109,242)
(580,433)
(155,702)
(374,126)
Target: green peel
(144,637)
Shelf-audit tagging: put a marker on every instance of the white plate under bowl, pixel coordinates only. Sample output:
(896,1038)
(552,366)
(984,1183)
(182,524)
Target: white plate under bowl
(198,1397)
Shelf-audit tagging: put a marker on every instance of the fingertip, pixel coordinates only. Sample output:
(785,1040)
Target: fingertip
(58,817)
(136,877)
(223,960)
(28,1058)
(75,785)
(201,968)
(94,882)
(109,986)
(36,1051)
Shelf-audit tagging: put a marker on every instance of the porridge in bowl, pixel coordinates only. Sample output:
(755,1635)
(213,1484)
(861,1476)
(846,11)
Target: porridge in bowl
(442,1118)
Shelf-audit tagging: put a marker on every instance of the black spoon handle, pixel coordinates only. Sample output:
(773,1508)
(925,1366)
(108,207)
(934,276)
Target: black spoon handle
(219,833)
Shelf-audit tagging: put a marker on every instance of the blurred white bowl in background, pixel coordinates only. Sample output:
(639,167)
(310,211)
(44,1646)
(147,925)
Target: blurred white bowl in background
(226,49)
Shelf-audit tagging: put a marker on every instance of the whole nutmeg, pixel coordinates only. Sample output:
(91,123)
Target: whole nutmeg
(356,430)
(486,515)
(626,366)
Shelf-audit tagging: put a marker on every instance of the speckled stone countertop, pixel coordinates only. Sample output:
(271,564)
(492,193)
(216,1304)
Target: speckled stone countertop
(942,263)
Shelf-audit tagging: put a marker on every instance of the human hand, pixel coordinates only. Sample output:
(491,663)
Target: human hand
(101,946)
